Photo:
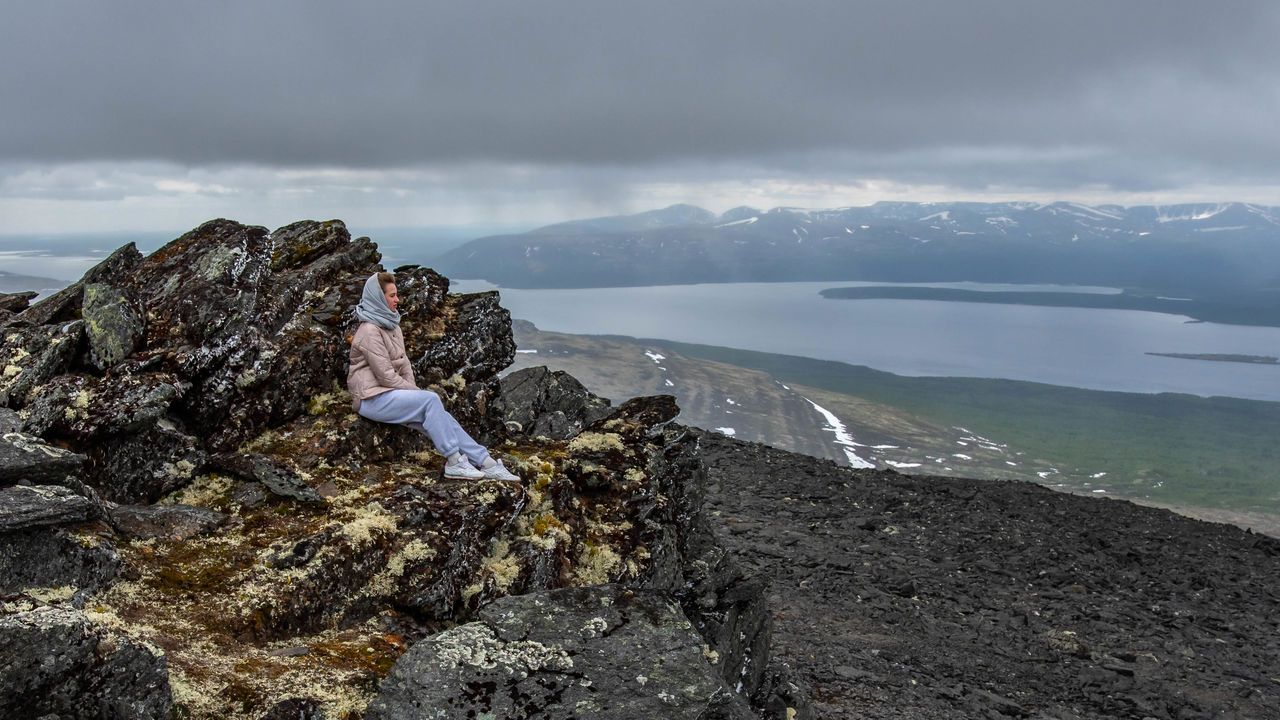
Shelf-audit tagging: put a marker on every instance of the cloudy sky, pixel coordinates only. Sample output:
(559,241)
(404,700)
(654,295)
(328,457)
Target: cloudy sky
(138,115)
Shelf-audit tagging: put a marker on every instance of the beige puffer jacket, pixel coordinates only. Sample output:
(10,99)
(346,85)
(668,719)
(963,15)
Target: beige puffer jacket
(378,363)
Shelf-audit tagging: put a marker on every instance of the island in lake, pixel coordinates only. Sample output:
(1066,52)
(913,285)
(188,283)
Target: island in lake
(1217,357)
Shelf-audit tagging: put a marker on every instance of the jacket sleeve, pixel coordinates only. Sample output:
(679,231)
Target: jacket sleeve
(375,353)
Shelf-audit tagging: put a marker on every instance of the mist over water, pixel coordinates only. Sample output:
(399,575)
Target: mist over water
(1076,347)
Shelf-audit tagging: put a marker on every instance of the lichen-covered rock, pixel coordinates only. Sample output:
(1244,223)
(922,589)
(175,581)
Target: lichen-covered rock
(84,670)
(113,326)
(75,562)
(26,458)
(24,506)
(31,356)
(87,408)
(540,402)
(599,652)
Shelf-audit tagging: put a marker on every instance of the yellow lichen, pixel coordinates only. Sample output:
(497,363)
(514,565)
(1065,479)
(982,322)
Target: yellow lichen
(596,564)
(204,491)
(502,565)
(384,582)
(51,594)
(372,518)
(596,442)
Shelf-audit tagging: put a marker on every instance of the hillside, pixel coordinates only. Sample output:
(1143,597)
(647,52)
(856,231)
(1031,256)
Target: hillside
(1205,457)
(1207,249)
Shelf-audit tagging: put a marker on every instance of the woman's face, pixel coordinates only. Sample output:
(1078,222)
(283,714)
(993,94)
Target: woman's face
(393,297)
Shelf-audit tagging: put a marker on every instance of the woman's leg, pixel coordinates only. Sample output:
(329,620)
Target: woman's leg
(423,411)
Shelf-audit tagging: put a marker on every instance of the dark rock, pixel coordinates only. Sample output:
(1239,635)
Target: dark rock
(254,321)
(546,403)
(16,302)
(145,466)
(273,475)
(65,304)
(25,458)
(84,670)
(31,357)
(477,341)
(170,522)
(113,326)
(87,408)
(54,558)
(24,506)
(10,421)
(599,652)
(649,413)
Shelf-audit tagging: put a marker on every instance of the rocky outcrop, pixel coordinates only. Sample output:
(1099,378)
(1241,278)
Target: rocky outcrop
(600,652)
(27,459)
(283,552)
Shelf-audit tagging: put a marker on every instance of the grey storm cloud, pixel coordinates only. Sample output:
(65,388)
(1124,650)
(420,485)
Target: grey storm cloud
(1136,94)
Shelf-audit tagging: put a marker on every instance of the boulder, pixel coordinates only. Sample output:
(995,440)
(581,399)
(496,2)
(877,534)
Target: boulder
(87,408)
(32,356)
(600,652)
(537,402)
(16,302)
(41,557)
(113,326)
(27,459)
(147,465)
(169,522)
(84,670)
(24,506)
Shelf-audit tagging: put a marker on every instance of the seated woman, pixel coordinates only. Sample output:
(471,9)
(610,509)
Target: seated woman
(382,387)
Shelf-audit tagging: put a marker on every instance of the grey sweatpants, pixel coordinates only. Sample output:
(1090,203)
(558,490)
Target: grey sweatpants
(423,411)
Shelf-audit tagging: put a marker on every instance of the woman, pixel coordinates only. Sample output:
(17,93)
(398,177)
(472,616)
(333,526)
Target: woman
(382,388)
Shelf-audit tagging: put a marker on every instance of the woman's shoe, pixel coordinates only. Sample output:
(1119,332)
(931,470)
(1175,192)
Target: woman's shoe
(462,469)
(498,471)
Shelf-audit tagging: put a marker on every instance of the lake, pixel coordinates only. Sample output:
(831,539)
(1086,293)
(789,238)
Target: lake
(1076,347)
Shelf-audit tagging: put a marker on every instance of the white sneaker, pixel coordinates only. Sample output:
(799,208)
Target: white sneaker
(462,469)
(498,471)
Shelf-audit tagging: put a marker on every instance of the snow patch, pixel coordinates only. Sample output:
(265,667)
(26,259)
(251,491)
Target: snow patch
(655,357)
(748,221)
(843,437)
(529,352)
(902,464)
(727,431)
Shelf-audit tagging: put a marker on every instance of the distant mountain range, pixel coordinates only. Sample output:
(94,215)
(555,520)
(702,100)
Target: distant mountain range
(1188,248)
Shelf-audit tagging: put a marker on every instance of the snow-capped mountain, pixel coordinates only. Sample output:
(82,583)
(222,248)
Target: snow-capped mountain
(1188,245)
